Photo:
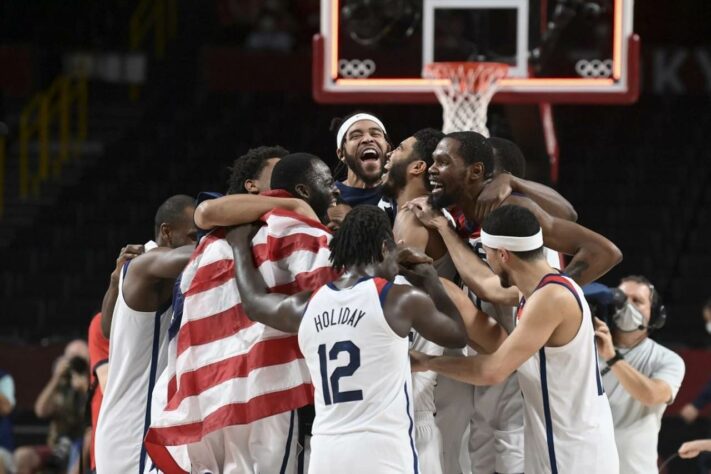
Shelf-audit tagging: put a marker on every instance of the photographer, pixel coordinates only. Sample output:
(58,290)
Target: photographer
(62,400)
(640,376)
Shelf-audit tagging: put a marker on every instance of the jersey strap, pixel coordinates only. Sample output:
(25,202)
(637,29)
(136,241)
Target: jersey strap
(556,279)
(383,286)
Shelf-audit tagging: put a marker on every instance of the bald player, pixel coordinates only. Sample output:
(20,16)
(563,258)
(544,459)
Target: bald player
(139,336)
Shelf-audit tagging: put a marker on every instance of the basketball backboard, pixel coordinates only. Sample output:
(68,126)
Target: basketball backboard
(558,51)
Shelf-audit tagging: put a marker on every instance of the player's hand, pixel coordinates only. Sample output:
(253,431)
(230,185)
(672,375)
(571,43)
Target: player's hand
(418,361)
(689,413)
(691,449)
(128,252)
(409,256)
(242,235)
(605,347)
(336,214)
(492,196)
(430,218)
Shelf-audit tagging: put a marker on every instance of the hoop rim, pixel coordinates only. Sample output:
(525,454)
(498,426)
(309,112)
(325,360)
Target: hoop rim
(436,67)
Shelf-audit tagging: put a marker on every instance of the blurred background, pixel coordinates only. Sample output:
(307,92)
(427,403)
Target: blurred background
(110,106)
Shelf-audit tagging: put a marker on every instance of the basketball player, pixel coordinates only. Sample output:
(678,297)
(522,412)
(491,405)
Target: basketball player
(362,145)
(138,337)
(251,173)
(568,424)
(494,415)
(354,337)
(463,161)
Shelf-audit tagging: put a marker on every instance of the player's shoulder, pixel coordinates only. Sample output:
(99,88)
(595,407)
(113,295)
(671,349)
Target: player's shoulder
(553,296)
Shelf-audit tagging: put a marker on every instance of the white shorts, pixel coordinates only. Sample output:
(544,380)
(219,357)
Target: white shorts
(359,453)
(266,446)
(455,408)
(429,443)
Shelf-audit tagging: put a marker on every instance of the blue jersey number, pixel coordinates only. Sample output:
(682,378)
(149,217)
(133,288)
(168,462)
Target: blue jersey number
(344,371)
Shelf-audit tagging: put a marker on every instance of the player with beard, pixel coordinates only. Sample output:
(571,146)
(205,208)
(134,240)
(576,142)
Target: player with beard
(568,423)
(463,162)
(362,144)
(492,414)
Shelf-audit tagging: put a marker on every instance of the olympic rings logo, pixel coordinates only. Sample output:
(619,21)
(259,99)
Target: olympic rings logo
(355,68)
(594,68)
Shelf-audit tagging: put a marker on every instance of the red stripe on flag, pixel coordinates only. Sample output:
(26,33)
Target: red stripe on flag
(211,276)
(262,354)
(307,280)
(213,328)
(162,458)
(172,387)
(277,248)
(234,414)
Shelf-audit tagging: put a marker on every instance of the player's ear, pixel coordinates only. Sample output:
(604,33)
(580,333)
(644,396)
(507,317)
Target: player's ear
(475,172)
(165,234)
(250,185)
(504,255)
(418,168)
(302,191)
(339,153)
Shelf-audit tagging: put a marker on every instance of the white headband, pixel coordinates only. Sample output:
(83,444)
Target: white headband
(356,118)
(513,244)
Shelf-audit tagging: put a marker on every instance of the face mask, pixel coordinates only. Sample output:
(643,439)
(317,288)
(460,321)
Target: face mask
(628,318)
(708,327)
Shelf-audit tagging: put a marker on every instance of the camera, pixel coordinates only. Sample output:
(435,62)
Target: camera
(604,302)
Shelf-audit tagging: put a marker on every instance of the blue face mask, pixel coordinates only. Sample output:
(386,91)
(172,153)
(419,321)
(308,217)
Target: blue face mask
(629,318)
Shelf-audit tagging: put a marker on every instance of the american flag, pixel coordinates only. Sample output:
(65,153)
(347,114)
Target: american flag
(227,370)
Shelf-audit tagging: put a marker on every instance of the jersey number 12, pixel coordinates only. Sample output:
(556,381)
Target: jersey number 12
(344,371)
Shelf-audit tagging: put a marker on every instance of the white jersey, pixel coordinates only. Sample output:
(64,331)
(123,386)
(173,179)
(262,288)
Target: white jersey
(568,424)
(137,355)
(361,374)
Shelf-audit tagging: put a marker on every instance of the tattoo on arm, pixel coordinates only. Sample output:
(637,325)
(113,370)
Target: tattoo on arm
(576,269)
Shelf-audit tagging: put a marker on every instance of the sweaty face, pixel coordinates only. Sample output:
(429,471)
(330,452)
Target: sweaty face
(639,295)
(322,190)
(184,233)
(364,149)
(492,258)
(395,176)
(447,174)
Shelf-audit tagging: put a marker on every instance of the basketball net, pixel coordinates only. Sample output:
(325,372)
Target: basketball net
(465,97)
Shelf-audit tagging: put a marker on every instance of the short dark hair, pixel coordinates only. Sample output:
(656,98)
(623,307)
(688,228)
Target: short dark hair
(293,169)
(249,165)
(475,148)
(514,221)
(171,211)
(360,238)
(426,141)
(508,157)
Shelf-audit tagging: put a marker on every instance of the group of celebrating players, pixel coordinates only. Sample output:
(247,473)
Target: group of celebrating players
(451,338)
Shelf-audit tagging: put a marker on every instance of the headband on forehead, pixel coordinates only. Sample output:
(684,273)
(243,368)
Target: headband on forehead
(356,118)
(513,244)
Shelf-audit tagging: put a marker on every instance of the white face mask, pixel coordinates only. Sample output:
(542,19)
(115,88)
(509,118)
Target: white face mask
(629,318)
(708,327)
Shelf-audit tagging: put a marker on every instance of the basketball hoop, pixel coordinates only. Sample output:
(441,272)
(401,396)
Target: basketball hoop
(465,98)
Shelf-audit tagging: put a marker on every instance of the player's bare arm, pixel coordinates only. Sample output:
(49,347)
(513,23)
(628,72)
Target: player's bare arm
(107,305)
(501,187)
(237,209)
(429,310)
(475,274)
(160,265)
(551,317)
(276,310)
(485,334)
(593,254)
